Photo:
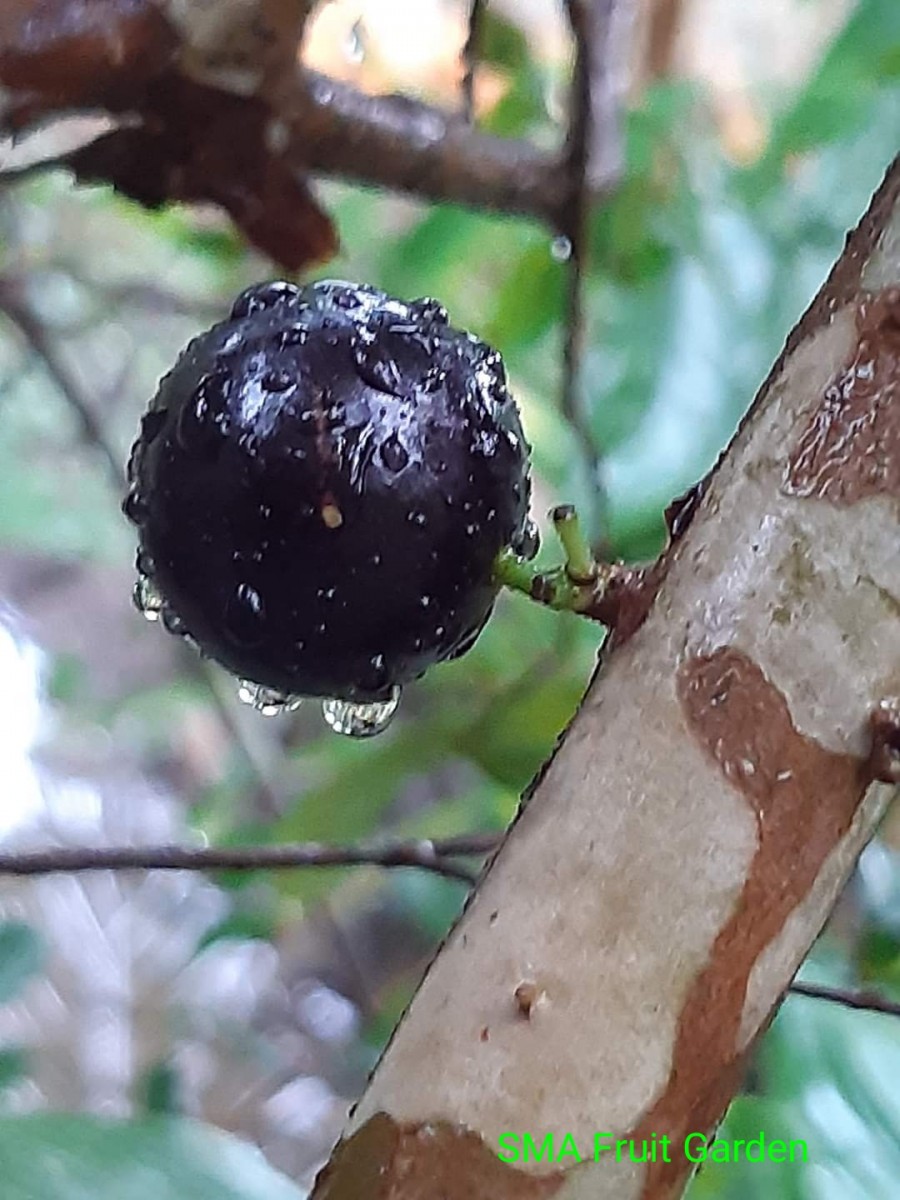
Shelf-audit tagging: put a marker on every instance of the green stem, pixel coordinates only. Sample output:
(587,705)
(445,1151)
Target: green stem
(573,586)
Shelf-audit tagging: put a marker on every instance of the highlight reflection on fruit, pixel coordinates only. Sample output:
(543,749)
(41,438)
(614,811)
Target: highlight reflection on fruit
(322,484)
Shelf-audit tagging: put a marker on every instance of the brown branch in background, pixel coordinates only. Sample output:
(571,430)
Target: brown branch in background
(867,1001)
(470,59)
(428,855)
(329,128)
(663,24)
(217,125)
(592,153)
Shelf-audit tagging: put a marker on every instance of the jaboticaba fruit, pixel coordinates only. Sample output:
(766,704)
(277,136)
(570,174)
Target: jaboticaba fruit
(321,485)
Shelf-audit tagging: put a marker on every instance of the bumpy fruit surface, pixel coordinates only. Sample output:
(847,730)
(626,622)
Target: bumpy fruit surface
(321,485)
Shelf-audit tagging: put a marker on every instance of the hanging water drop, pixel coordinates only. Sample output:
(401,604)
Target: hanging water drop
(529,542)
(134,507)
(360,720)
(265,700)
(245,615)
(147,598)
(354,44)
(561,248)
(393,455)
(172,623)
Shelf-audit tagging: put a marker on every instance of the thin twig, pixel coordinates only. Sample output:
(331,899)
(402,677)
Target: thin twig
(592,150)
(470,59)
(425,854)
(868,1001)
(35,335)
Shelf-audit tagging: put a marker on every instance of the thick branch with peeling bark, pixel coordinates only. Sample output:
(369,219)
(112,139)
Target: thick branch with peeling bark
(687,841)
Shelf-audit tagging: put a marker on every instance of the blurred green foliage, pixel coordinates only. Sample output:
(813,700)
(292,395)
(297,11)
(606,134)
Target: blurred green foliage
(700,266)
(21,957)
(72,1158)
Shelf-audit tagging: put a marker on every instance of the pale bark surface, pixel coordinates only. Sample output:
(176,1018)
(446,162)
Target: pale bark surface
(686,843)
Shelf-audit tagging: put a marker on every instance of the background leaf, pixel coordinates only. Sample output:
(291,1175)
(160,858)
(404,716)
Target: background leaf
(55,1157)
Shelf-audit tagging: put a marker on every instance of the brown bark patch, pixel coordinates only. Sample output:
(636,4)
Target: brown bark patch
(850,447)
(804,798)
(385,1160)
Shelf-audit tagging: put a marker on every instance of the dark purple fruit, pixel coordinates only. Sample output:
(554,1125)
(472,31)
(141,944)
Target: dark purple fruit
(321,486)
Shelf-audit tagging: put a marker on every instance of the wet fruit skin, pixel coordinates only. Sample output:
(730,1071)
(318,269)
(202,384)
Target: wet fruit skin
(321,485)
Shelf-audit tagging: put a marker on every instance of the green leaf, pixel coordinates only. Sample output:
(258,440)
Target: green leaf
(158,1090)
(13,1065)
(504,45)
(21,957)
(838,101)
(57,1157)
(530,298)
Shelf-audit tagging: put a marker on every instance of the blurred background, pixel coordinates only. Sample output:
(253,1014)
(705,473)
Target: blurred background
(755,135)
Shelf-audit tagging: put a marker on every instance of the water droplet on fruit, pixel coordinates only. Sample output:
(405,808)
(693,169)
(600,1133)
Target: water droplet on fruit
(417,518)
(148,599)
(377,368)
(354,719)
(561,248)
(172,623)
(529,541)
(377,677)
(202,423)
(151,424)
(393,454)
(265,700)
(427,309)
(277,381)
(134,507)
(264,295)
(295,336)
(244,613)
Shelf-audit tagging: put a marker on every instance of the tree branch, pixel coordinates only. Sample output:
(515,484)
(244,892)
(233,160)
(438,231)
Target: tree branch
(593,153)
(235,121)
(433,855)
(868,1001)
(327,127)
(683,848)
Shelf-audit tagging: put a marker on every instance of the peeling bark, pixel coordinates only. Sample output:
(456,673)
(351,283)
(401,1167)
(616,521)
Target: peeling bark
(684,846)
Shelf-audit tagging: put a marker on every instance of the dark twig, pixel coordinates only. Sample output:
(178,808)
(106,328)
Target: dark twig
(592,153)
(328,127)
(868,1001)
(323,126)
(428,855)
(470,59)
